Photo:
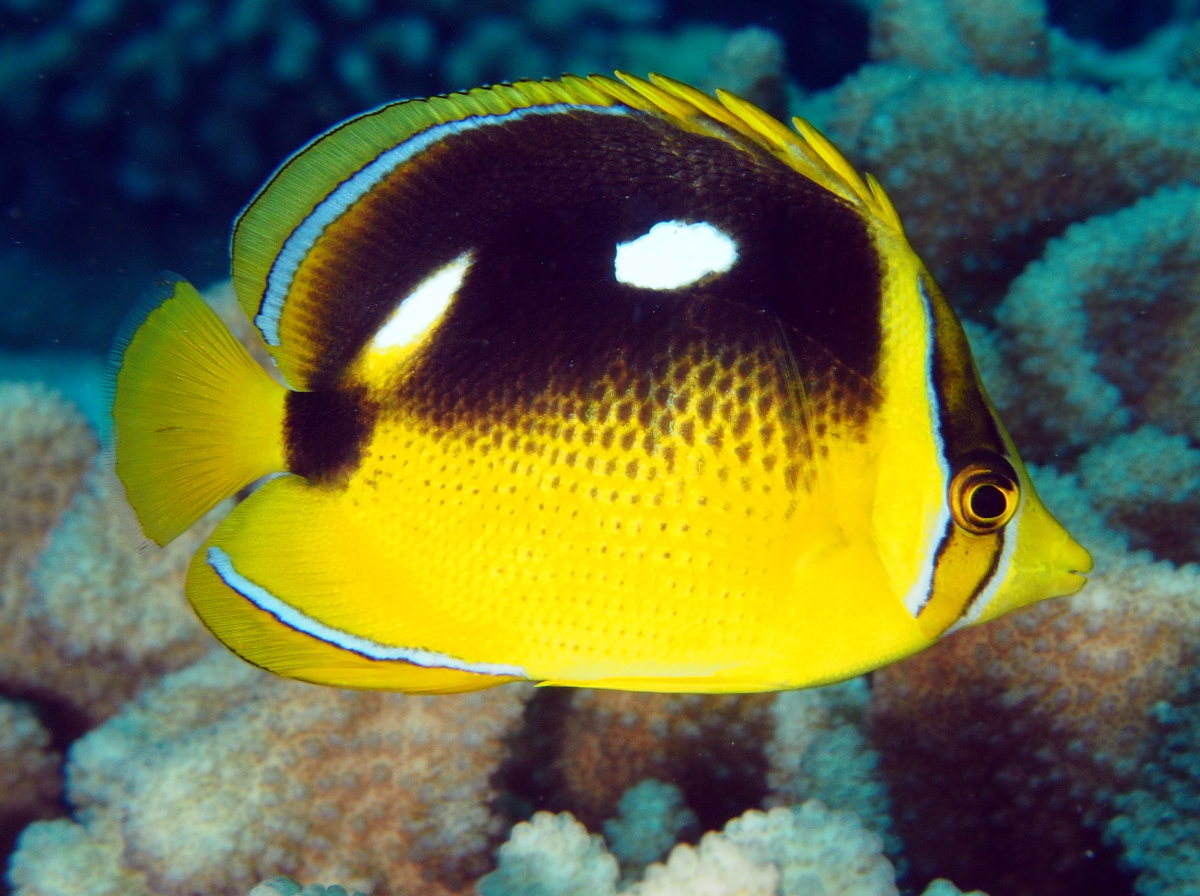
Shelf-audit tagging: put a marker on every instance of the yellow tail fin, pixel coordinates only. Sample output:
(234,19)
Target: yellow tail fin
(195,418)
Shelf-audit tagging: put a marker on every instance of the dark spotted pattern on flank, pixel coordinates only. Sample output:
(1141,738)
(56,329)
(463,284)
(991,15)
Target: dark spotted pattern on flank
(542,203)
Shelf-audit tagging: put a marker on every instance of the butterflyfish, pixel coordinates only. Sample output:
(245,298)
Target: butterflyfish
(593,381)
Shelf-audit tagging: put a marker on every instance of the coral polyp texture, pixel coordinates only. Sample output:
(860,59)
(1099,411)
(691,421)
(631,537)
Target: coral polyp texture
(783,852)
(1047,172)
(91,610)
(384,792)
(30,769)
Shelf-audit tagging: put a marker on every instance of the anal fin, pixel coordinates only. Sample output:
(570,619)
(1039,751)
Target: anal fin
(278,580)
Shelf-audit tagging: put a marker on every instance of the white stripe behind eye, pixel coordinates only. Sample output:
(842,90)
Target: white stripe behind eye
(920,592)
(297,246)
(222,564)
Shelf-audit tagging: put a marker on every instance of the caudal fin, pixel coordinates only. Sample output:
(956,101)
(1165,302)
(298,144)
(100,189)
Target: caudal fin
(195,417)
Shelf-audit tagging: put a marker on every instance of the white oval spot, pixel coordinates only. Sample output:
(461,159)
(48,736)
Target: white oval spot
(423,307)
(674,254)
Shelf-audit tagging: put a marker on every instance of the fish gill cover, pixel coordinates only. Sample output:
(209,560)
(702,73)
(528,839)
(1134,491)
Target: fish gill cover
(1044,161)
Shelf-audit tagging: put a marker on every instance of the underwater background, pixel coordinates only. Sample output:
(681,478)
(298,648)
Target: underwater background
(1045,159)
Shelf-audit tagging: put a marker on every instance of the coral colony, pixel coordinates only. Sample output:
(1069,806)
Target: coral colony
(1044,178)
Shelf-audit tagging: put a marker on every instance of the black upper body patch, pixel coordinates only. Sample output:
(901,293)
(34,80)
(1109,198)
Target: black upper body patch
(541,202)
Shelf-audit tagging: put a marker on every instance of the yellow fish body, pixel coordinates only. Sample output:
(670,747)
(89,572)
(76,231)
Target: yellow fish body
(589,382)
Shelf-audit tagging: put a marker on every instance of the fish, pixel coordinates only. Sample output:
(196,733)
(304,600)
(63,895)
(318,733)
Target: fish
(592,381)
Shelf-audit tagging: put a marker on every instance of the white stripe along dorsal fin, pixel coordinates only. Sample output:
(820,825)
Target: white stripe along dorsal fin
(274,233)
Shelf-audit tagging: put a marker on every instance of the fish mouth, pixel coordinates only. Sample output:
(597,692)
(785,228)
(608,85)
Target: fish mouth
(1065,583)
(1074,576)
(1076,562)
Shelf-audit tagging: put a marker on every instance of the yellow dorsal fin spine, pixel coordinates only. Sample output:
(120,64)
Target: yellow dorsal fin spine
(195,417)
(835,160)
(658,98)
(806,149)
(887,211)
(698,98)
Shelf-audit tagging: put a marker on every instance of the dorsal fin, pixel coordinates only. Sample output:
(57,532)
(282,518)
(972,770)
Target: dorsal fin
(806,149)
(265,256)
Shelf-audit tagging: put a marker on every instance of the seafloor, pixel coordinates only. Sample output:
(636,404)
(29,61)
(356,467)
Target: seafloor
(1045,162)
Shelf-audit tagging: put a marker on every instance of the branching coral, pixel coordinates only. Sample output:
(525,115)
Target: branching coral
(652,818)
(283,886)
(1004,36)
(552,855)
(984,170)
(1099,327)
(109,602)
(263,776)
(712,747)
(46,449)
(818,750)
(785,852)
(30,775)
(91,611)
(1147,484)
(1158,824)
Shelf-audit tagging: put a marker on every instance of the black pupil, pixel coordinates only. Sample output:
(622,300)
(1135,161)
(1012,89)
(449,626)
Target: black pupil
(988,502)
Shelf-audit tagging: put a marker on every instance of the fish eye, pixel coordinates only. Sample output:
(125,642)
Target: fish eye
(983,497)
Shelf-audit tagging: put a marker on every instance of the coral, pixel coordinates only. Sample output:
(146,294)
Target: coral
(30,775)
(752,65)
(818,750)
(815,849)
(1099,327)
(710,746)
(1002,36)
(103,612)
(60,857)
(784,852)
(284,886)
(552,855)
(108,602)
(1158,821)
(984,170)
(1185,62)
(90,611)
(76,375)
(943,887)
(45,449)
(222,775)
(715,867)
(1147,484)
(652,818)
